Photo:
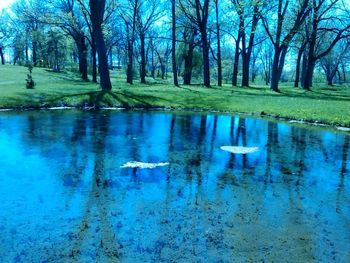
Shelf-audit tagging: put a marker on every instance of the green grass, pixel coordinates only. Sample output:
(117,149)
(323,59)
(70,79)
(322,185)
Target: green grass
(329,105)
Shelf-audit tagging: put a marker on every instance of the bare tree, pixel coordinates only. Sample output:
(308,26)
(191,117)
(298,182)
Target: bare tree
(197,12)
(243,10)
(327,23)
(147,13)
(5,34)
(282,31)
(128,12)
(332,61)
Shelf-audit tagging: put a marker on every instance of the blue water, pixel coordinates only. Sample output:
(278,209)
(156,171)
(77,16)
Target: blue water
(64,197)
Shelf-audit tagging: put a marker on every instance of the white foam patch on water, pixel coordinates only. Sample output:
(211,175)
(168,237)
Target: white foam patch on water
(239,149)
(142,165)
(346,129)
(60,108)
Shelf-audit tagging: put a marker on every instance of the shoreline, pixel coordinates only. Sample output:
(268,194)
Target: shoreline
(183,109)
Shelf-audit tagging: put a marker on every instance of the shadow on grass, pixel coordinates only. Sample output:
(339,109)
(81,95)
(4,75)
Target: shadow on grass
(141,97)
(98,99)
(335,96)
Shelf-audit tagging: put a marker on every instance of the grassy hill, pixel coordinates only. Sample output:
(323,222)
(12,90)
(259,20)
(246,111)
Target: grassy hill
(329,105)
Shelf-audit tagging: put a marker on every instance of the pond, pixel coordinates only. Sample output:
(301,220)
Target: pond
(67,195)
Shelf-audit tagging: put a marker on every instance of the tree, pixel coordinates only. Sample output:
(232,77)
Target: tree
(197,12)
(243,9)
(190,42)
(4,35)
(328,22)
(128,12)
(300,46)
(331,62)
(236,57)
(266,61)
(67,15)
(56,50)
(163,51)
(110,10)
(147,13)
(97,9)
(87,17)
(282,30)
(29,17)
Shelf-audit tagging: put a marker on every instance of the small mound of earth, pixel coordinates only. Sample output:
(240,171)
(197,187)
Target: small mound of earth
(239,149)
(142,165)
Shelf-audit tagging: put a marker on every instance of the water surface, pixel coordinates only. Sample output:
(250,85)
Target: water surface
(64,197)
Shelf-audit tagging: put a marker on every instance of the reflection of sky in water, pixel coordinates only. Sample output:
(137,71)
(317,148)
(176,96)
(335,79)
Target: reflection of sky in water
(64,197)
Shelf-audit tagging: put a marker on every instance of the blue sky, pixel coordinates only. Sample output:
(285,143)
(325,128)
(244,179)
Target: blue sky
(5,3)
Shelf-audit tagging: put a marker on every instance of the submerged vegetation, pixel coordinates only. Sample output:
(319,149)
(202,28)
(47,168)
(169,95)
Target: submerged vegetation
(94,198)
(154,186)
(329,105)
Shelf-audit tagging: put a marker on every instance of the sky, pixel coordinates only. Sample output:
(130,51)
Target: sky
(5,3)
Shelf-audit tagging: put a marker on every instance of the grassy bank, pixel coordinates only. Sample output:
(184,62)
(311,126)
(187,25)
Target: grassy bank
(329,105)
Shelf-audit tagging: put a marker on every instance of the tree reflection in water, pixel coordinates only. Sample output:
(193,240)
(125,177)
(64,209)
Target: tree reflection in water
(71,201)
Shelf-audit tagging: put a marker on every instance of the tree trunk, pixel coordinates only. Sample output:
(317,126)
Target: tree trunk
(277,65)
(105,80)
(82,56)
(173,43)
(2,56)
(254,71)
(309,73)
(330,74)
(236,61)
(110,56)
(129,70)
(97,8)
(275,73)
(27,52)
(253,74)
(267,76)
(245,70)
(219,63)
(162,69)
(344,72)
(189,60)
(297,69)
(94,62)
(206,64)
(188,65)
(339,77)
(247,51)
(34,54)
(330,80)
(245,61)
(143,58)
(152,60)
(303,69)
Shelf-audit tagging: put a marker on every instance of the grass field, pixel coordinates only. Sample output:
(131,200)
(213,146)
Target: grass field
(328,105)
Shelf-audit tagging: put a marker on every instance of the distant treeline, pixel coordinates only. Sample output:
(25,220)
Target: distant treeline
(226,41)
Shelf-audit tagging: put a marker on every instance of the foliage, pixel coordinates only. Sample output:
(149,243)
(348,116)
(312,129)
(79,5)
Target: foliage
(257,37)
(30,84)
